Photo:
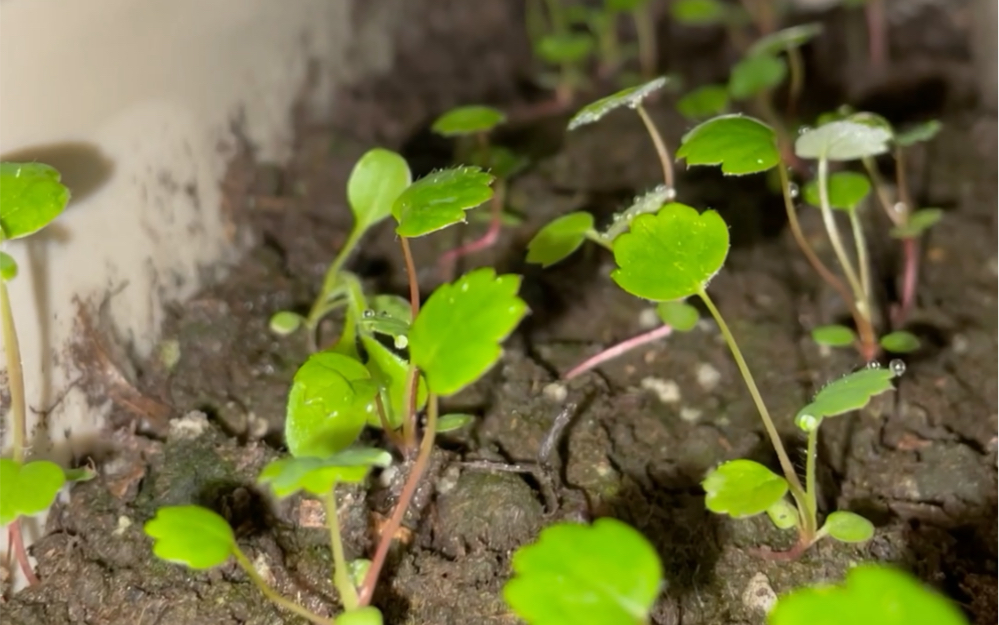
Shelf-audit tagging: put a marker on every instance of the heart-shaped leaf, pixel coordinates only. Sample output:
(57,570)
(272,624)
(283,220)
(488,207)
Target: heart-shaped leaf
(900,342)
(31,196)
(27,489)
(391,372)
(670,255)
(559,239)
(834,335)
(680,316)
(191,535)
(318,476)
(849,393)
(919,222)
(698,12)
(8,267)
(631,98)
(328,405)
(440,200)
(741,145)
(847,527)
(846,189)
(468,120)
(783,515)
(918,133)
(793,37)
(564,48)
(374,185)
(456,337)
(842,141)
(755,74)
(603,573)
(704,102)
(742,488)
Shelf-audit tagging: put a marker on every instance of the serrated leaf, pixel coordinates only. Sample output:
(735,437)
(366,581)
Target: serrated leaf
(786,39)
(698,12)
(783,515)
(900,342)
(846,189)
(8,267)
(848,393)
(318,476)
(919,222)
(27,489)
(918,133)
(651,202)
(704,102)
(328,404)
(285,322)
(559,239)
(670,255)
(847,527)
(741,145)
(456,337)
(565,48)
(31,197)
(391,373)
(842,141)
(834,335)
(603,573)
(440,200)
(742,488)
(756,74)
(468,120)
(680,316)
(630,98)
(191,535)
(377,180)
(872,593)
(453,421)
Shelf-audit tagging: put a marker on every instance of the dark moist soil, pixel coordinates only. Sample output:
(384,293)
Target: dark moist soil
(920,463)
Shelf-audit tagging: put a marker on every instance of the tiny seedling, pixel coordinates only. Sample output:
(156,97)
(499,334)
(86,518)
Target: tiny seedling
(606,573)
(788,41)
(569,51)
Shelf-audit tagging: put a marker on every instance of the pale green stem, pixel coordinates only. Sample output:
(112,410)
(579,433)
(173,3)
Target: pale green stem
(881,191)
(837,243)
(862,256)
(272,595)
(811,509)
(341,578)
(596,237)
(15,376)
(797,70)
(661,149)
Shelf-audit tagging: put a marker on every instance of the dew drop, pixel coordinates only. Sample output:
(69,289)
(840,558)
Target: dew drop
(802,130)
(874,364)
(401,341)
(897,367)
(900,208)
(807,422)
(669,194)
(793,190)
(368,314)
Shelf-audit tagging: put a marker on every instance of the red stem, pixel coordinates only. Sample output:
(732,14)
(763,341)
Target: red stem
(910,280)
(487,240)
(14,532)
(618,350)
(877,39)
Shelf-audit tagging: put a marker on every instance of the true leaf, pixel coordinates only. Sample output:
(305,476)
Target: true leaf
(704,102)
(440,200)
(318,476)
(742,488)
(834,335)
(842,141)
(919,221)
(559,239)
(848,527)
(564,48)
(391,372)
(672,254)
(453,421)
(374,184)
(456,337)
(603,573)
(848,393)
(31,196)
(8,267)
(468,120)
(28,489)
(630,98)
(285,322)
(756,74)
(191,535)
(741,145)
(698,12)
(900,342)
(845,189)
(793,37)
(783,515)
(680,316)
(918,133)
(328,404)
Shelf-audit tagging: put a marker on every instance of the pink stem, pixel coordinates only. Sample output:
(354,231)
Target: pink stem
(14,533)
(910,279)
(487,240)
(877,39)
(618,350)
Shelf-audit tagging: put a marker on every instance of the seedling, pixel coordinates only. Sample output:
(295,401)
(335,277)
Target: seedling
(788,41)
(569,52)
(603,574)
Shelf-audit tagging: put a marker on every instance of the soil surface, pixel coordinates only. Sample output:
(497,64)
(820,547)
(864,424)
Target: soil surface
(921,462)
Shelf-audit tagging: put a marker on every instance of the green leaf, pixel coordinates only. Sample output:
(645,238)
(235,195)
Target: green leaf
(440,200)
(468,120)
(741,145)
(559,239)
(318,476)
(834,335)
(285,322)
(918,133)
(28,489)
(367,615)
(842,141)
(919,222)
(742,488)
(900,342)
(565,48)
(191,535)
(630,98)
(624,6)
(698,12)
(846,189)
(783,514)
(756,74)
(391,373)
(374,184)
(82,474)
(704,102)
(847,527)
(8,267)
(454,421)
(328,404)
(679,315)
(456,337)
(651,202)
(503,162)
(670,255)
(846,394)
(789,38)
(31,196)
(390,315)
(873,594)
(605,573)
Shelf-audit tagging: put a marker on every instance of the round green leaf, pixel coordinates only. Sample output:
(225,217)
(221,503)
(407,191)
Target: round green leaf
(849,393)
(456,337)
(191,535)
(704,102)
(742,488)
(453,421)
(793,37)
(670,255)
(756,74)
(680,316)
(468,120)
(565,48)
(328,404)
(919,221)
(630,98)
(318,476)
(872,594)
(440,200)
(698,12)
(918,133)
(848,527)
(367,615)
(741,145)
(285,322)
(606,573)
(559,239)
(31,196)
(900,342)
(27,489)
(8,267)
(374,184)
(783,514)
(846,190)
(834,335)
(842,141)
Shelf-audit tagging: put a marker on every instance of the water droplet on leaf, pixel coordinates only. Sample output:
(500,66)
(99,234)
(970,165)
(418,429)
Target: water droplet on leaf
(900,208)
(802,130)
(897,367)
(401,341)
(793,190)
(874,364)
(669,194)
(368,314)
